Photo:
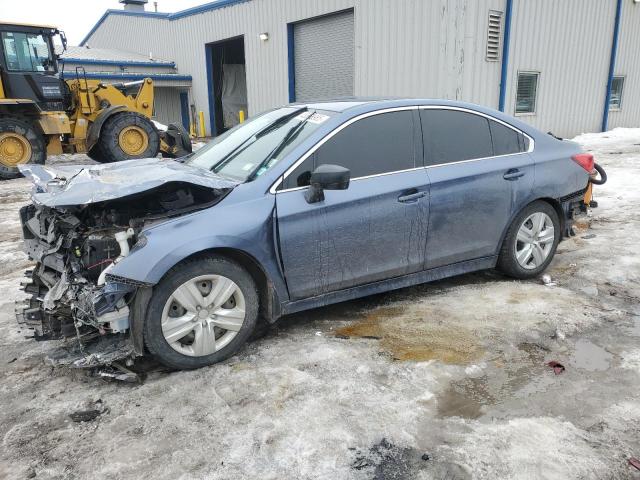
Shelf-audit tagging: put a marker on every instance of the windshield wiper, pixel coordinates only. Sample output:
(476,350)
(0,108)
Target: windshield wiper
(290,136)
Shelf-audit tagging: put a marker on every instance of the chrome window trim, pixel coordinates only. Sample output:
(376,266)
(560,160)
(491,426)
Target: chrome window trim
(273,190)
(327,137)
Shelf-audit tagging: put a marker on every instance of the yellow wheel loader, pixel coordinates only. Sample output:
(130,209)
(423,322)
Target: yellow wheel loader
(42,115)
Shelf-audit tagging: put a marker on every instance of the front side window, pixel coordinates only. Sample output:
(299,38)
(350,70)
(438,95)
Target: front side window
(377,144)
(27,52)
(526,93)
(251,148)
(454,136)
(615,101)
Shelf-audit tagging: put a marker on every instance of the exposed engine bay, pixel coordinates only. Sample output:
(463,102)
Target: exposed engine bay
(73,294)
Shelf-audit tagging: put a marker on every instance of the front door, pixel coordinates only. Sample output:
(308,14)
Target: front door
(376,229)
(479,174)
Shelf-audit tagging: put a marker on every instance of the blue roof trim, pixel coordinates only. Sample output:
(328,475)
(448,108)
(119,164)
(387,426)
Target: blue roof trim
(168,16)
(125,63)
(204,8)
(126,76)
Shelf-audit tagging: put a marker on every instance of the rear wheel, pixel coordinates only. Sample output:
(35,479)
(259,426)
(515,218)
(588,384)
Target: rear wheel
(126,136)
(201,313)
(20,144)
(531,241)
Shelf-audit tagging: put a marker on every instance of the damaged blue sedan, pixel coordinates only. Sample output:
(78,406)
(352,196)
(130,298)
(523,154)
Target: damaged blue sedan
(300,207)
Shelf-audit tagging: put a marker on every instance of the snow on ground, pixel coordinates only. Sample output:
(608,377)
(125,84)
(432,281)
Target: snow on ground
(445,380)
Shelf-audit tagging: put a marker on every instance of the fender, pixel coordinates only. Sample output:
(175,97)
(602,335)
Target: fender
(96,127)
(169,243)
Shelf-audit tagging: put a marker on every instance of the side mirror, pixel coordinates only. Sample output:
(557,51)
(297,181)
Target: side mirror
(326,177)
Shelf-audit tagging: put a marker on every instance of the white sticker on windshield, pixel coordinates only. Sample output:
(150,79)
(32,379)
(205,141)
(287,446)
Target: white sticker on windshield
(247,167)
(316,118)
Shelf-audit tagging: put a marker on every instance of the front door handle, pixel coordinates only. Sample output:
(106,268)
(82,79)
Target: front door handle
(513,174)
(411,197)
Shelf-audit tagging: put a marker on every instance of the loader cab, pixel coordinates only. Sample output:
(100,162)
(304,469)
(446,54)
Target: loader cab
(29,65)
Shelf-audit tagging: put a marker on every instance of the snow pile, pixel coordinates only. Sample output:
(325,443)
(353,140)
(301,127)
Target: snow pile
(160,126)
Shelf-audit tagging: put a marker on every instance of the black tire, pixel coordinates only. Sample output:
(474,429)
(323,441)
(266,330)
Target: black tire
(507,262)
(154,338)
(108,149)
(36,140)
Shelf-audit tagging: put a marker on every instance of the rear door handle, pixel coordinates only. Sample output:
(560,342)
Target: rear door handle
(411,197)
(513,174)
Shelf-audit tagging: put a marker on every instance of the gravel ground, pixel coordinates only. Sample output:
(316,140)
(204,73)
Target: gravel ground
(441,381)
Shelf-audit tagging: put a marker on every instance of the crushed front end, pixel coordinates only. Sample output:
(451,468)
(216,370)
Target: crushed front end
(73,296)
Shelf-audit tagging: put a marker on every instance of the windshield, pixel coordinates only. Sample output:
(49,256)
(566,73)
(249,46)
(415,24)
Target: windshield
(251,148)
(27,52)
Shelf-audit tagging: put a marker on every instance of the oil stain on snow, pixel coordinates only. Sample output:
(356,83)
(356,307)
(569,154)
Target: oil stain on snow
(412,334)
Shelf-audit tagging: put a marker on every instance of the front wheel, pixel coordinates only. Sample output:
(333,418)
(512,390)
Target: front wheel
(201,313)
(126,136)
(531,241)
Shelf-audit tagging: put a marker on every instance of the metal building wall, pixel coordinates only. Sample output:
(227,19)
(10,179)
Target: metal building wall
(432,48)
(167,105)
(420,48)
(569,43)
(628,64)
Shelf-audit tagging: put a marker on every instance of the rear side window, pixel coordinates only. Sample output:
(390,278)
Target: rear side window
(454,136)
(506,140)
(381,143)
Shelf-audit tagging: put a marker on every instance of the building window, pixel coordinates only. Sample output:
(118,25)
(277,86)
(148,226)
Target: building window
(493,36)
(615,101)
(526,94)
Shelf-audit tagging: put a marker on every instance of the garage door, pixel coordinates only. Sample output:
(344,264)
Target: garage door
(324,57)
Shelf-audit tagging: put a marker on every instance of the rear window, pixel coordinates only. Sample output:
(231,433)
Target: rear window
(454,136)
(506,140)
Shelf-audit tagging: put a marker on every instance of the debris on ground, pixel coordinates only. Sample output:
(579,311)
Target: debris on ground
(588,237)
(89,414)
(634,462)
(546,279)
(558,368)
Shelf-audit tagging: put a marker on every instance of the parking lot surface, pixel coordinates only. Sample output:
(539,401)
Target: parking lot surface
(444,380)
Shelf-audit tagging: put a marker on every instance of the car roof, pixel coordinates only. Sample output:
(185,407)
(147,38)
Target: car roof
(352,106)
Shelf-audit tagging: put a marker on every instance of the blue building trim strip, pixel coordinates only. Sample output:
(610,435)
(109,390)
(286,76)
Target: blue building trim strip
(126,76)
(612,66)
(504,71)
(123,63)
(291,62)
(167,16)
(211,90)
(184,110)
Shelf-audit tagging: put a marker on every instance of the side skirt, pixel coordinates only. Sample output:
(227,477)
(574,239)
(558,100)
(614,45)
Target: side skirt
(390,284)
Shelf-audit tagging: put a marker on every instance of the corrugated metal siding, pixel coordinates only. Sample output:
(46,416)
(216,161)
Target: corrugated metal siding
(167,106)
(324,57)
(420,48)
(628,64)
(568,42)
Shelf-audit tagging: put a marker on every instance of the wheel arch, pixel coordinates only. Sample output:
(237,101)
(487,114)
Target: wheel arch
(557,206)
(269,300)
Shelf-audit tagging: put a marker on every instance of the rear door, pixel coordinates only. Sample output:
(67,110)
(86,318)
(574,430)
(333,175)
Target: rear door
(480,174)
(375,229)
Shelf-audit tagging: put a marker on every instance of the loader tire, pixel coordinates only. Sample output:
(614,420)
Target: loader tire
(126,136)
(20,144)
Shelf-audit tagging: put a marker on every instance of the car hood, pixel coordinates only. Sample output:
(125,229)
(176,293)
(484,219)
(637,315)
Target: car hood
(85,184)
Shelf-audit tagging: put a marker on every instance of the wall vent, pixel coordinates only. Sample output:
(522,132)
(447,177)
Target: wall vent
(494,32)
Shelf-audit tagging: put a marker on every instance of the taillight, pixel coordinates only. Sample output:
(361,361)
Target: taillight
(585,160)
